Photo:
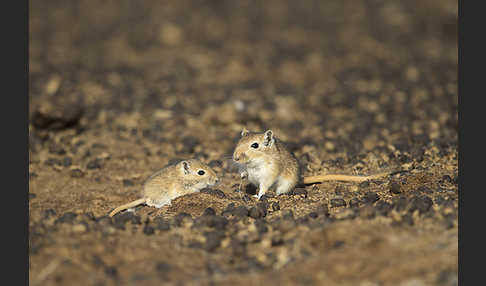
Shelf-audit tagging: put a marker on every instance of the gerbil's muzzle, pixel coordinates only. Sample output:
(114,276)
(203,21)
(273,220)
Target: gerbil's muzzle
(238,156)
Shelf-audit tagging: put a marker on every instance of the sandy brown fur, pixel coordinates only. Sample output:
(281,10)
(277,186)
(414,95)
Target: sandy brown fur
(171,182)
(276,166)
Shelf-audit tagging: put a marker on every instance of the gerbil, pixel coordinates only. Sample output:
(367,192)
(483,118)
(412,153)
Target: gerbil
(172,181)
(266,162)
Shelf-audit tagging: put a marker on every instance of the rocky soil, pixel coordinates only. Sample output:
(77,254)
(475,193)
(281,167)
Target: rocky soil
(119,89)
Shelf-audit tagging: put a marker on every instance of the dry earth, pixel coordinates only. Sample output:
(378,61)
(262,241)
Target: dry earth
(118,89)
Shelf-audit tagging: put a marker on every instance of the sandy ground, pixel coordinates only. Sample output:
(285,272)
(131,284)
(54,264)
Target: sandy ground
(119,89)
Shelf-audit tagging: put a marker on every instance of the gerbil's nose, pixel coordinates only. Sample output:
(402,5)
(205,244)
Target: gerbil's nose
(236,157)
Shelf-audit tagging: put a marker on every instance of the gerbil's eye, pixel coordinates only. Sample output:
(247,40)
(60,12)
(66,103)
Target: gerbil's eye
(254,145)
(200,172)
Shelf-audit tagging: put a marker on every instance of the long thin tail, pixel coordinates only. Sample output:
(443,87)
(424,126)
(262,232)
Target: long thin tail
(345,178)
(127,206)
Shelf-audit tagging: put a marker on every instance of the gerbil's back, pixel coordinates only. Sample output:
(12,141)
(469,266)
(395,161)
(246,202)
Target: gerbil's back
(287,160)
(163,180)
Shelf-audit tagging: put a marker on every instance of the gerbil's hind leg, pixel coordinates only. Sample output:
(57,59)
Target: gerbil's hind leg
(285,185)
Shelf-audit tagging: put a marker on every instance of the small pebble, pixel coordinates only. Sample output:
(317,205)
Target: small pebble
(371,197)
(338,202)
(395,188)
(76,173)
(148,230)
(127,183)
(66,218)
(275,206)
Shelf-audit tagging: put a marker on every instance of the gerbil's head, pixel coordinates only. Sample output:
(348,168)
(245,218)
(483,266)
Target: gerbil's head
(253,147)
(196,175)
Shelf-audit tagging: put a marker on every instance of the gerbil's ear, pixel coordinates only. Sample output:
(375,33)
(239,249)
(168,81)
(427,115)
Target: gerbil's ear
(268,138)
(185,167)
(244,132)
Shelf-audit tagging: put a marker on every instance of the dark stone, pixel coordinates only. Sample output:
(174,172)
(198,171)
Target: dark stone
(401,203)
(111,271)
(299,191)
(190,143)
(313,215)
(447,179)
(209,211)
(367,212)
(323,209)
(395,188)
(448,278)
(48,213)
(354,202)
(364,184)
(213,192)
(32,196)
(277,240)
(422,204)
(122,218)
(302,220)
(250,189)
(213,240)
(238,248)
(161,224)
(52,162)
(245,198)
(383,208)
(180,217)
(67,161)
(338,244)
(94,164)
(261,226)
(217,222)
(148,230)
(240,211)
(263,206)
(255,212)
(127,182)
(371,197)
(56,149)
(407,219)
(60,116)
(338,203)
(229,209)
(76,173)
(162,267)
(275,206)
(288,214)
(424,190)
(67,218)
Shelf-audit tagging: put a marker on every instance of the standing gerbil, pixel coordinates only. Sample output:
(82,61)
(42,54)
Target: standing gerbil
(172,181)
(266,162)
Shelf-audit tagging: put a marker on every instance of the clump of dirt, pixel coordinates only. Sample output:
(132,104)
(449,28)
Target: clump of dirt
(118,91)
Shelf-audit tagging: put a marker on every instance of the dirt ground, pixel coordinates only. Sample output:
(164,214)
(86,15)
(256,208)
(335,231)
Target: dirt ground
(118,89)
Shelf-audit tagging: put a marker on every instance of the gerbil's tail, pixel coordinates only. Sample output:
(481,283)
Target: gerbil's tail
(127,206)
(346,178)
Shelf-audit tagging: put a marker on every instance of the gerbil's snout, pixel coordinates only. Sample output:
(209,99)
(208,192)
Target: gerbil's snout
(237,156)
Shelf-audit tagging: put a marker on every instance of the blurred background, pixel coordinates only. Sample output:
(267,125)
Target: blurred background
(350,67)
